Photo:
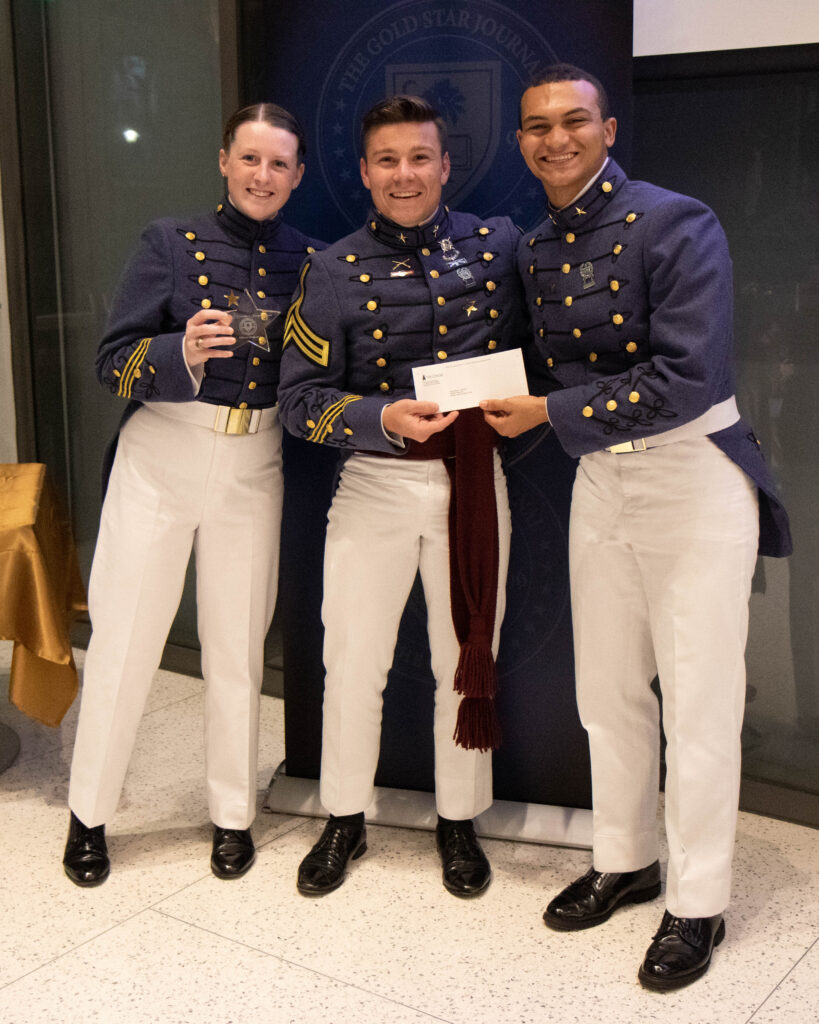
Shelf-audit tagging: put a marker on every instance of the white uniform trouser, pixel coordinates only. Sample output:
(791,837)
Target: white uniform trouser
(174,485)
(662,551)
(389,519)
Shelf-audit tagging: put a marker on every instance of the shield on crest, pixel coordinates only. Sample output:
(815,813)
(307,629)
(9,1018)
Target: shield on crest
(468,96)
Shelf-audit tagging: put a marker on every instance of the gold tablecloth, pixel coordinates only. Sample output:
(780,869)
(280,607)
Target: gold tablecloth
(40,590)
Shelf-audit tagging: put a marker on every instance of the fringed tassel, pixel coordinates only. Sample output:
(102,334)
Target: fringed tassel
(477,727)
(475,675)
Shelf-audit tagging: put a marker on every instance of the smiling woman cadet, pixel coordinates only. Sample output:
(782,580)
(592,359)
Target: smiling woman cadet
(198,464)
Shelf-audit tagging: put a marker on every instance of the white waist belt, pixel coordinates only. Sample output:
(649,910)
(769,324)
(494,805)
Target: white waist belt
(224,419)
(719,416)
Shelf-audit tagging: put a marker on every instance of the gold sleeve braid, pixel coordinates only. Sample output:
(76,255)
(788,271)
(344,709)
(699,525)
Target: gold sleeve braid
(316,348)
(132,369)
(329,417)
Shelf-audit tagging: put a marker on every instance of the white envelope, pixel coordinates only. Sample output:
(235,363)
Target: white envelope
(462,383)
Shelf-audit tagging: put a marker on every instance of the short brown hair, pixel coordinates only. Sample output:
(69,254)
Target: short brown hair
(571,73)
(270,113)
(402,109)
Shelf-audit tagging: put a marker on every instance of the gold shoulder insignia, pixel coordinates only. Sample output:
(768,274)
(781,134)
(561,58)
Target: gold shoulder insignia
(316,348)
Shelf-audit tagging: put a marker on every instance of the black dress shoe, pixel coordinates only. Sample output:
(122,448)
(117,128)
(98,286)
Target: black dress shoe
(593,898)
(233,852)
(324,867)
(680,951)
(466,869)
(86,856)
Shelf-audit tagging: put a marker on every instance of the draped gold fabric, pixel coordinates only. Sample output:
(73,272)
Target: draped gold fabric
(40,590)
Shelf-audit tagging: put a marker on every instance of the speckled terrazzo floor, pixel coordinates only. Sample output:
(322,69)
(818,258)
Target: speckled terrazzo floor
(164,941)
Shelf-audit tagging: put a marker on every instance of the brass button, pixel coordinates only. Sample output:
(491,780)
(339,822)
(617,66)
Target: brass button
(384,386)
(566,268)
(634,397)
(219,208)
(606,186)
(262,272)
(261,294)
(611,405)
(577,332)
(256,360)
(347,431)
(539,301)
(378,334)
(617,318)
(531,242)
(373,225)
(492,344)
(372,304)
(351,258)
(567,301)
(310,423)
(442,329)
(263,315)
(441,354)
(494,314)
(425,252)
(592,357)
(441,300)
(550,361)
(490,286)
(588,411)
(631,347)
(381,361)
(311,249)
(242,405)
(488,257)
(365,278)
(483,231)
(206,303)
(570,237)
(199,256)
(262,249)
(531,268)
(617,249)
(190,236)
(630,218)
(203,279)
(614,285)
(251,385)
(434,273)
(541,332)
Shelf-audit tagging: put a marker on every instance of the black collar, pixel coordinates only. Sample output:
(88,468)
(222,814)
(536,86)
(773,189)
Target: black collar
(398,237)
(246,229)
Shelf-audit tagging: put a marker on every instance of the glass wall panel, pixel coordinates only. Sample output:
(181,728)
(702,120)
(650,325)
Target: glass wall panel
(748,146)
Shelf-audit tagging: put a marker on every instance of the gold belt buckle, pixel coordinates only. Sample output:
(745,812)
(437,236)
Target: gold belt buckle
(628,446)
(232,421)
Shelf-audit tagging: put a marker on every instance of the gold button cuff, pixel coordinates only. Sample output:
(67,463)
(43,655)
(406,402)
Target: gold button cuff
(347,431)
(311,423)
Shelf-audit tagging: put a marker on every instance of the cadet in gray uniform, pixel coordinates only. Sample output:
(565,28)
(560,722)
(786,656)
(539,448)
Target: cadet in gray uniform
(415,286)
(629,289)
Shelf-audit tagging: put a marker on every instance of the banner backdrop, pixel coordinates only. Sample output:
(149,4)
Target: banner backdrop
(328,61)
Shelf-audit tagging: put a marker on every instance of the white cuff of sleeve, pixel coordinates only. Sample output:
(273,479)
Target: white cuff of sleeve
(395,439)
(196,373)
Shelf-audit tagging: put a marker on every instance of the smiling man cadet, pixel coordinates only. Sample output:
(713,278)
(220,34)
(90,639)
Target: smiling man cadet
(629,290)
(417,285)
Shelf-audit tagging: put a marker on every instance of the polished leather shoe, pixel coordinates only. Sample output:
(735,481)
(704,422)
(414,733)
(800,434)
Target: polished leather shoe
(466,869)
(592,899)
(233,852)
(86,855)
(680,951)
(324,868)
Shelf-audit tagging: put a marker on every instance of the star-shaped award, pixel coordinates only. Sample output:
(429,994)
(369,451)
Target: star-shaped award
(250,323)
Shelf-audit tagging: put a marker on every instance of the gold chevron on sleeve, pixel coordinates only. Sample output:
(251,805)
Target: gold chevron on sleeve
(316,348)
(329,417)
(131,371)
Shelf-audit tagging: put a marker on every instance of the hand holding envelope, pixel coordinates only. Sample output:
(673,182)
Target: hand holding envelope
(464,383)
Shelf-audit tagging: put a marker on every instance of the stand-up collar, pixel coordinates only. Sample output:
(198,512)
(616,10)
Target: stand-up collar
(246,229)
(596,198)
(398,237)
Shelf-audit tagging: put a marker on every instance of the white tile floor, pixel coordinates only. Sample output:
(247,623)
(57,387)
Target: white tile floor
(164,941)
